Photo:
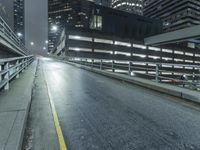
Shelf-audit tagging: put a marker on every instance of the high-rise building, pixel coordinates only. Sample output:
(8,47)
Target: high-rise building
(68,13)
(175,14)
(6,12)
(132,6)
(19,27)
(106,3)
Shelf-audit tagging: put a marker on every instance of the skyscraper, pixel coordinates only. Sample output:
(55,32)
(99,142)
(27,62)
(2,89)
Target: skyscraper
(69,13)
(175,14)
(132,6)
(6,12)
(106,3)
(19,27)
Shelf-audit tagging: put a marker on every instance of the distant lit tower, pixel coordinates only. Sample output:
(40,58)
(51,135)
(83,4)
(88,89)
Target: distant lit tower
(106,3)
(132,6)
(67,13)
(175,14)
(19,27)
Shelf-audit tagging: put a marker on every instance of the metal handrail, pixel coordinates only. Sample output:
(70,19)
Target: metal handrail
(9,33)
(129,68)
(11,68)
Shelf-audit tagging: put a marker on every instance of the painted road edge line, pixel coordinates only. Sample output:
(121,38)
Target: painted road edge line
(56,121)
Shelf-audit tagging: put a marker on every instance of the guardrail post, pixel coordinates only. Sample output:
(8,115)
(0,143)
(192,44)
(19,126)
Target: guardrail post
(6,76)
(26,63)
(157,72)
(92,63)
(0,74)
(129,68)
(17,69)
(22,65)
(101,65)
(113,66)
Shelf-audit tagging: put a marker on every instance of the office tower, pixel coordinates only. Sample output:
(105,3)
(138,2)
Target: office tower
(68,13)
(106,3)
(19,26)
(132,6)
(175,14)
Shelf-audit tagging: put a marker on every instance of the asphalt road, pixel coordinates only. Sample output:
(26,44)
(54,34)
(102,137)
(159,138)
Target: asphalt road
(98,113)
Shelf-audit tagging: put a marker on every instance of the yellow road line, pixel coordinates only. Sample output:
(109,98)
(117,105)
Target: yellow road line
(56,121)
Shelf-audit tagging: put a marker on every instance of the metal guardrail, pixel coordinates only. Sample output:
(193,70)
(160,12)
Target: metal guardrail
(10,68)
(193,81)
(9,34)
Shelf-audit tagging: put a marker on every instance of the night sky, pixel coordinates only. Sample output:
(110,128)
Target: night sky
(36,24)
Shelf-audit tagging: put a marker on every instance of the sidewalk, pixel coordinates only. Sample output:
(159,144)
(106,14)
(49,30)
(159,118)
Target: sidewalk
(14,108)
(176,91)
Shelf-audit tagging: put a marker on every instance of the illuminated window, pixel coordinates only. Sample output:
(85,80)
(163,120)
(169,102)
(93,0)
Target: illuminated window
(96,22)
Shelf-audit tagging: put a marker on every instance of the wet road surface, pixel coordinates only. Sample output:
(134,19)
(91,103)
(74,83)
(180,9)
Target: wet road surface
(98,113)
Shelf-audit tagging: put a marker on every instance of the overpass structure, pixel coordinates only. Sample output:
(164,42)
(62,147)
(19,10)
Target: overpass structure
(181,35)
(10,44)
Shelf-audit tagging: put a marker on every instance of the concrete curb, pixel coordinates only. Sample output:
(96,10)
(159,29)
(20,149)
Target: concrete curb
(179,92)
(27,110)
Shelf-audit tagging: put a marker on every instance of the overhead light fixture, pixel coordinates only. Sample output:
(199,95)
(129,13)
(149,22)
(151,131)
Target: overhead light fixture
(54,28)
(32,43)
(19,34)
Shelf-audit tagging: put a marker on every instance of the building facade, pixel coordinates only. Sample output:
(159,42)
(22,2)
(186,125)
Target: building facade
(106,3)
(175,14)
(19,16)
(132,6)
(113,53)
(67,13)
(123,24)
(86,14)
(12,12)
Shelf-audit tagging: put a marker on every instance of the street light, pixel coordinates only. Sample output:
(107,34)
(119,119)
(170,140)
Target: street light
(19,34)
(32,43)
(54,28)
(46,41)
(44,48)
